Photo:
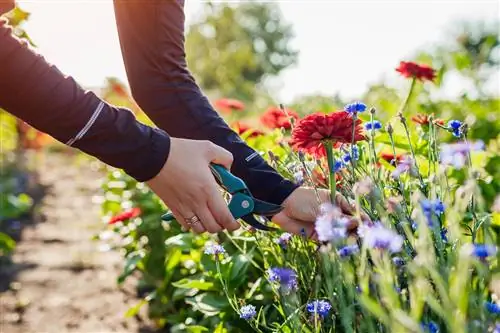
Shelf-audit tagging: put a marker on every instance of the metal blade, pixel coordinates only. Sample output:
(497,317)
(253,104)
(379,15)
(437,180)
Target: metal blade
(250,219)
(266,208)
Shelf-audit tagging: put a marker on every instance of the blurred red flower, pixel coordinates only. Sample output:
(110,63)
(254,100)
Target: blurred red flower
(242,128)
(389,157)
(414,70)
(319,178)
(423,119)
(129,214)
(275,118)
(310,132)
(228,105)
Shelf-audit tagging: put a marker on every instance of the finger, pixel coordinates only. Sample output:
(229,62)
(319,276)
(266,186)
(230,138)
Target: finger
(196,227)
(180,220)
(219,155)
(208,220)
(220,211)
(294,226)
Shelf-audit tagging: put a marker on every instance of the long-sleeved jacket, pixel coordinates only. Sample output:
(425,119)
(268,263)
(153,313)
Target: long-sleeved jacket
(151,36)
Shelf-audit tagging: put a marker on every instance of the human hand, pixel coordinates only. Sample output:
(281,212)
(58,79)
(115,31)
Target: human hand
(302,207)
(187,186)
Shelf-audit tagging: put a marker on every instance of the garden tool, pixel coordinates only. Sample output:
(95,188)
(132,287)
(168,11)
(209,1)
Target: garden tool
(242,204)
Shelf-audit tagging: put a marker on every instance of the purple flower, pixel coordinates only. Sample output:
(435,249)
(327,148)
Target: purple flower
(455,154)
(214,249)
(247,312)
(373,125)
(497,328)
(379,237)
(348,250)
(482,251)
(398,261)
(430,207)
(405,165)
(319,307)
(355,107)
(15,225)
(330,224)
(455,127)
(492,307)
(284,239)
(286,277)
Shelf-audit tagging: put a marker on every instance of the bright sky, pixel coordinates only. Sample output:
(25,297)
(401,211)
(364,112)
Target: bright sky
(344,45)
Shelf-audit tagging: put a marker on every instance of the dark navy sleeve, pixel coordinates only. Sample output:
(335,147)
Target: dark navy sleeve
(38,93)
(151,35)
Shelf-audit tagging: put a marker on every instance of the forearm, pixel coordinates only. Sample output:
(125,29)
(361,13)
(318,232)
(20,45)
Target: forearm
(152,41)
(38,93)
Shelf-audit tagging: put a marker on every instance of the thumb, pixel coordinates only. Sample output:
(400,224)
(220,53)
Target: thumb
(221,156)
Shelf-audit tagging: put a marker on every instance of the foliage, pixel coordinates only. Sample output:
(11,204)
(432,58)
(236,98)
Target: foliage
(234,47)
(429,262)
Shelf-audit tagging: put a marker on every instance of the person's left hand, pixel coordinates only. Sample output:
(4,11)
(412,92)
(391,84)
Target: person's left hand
(302,208)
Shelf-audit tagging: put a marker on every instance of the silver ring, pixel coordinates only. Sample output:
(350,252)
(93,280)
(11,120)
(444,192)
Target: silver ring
(192,220)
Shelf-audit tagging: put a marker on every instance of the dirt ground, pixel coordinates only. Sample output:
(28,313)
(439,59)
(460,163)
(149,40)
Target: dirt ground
(61,281)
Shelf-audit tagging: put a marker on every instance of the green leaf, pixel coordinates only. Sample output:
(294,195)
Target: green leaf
(132,260)
(135,309)
(193,284)
(374,308)
(7,244)
(208,303)
(196,329)
(239,268)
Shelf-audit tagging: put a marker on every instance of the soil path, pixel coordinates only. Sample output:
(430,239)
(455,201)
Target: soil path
(62,282)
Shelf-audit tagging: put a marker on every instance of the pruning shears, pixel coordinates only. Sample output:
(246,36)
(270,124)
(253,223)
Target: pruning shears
(242,204)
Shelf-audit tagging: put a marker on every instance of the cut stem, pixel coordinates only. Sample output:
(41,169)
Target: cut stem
(331,169)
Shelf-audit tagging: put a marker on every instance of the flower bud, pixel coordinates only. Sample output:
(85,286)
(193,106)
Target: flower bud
(372,110)
(389,128)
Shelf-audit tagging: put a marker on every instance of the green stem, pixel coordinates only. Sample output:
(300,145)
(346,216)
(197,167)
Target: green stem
(408,96)
(331,170)
(407,132)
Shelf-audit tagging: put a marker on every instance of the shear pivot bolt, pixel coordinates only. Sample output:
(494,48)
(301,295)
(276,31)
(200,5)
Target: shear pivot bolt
(245,204)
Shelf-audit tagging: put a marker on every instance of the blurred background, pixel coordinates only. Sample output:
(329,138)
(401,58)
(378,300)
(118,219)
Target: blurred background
(248,56)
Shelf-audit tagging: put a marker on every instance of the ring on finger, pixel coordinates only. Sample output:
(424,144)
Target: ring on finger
(192,220)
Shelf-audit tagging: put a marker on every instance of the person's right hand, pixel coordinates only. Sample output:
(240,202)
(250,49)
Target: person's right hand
(186,185)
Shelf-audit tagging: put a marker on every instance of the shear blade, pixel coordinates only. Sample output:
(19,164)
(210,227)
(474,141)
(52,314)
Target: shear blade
(250,219)
(266,208)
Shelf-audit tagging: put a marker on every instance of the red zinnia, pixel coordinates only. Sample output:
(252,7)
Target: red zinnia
(276,118)
(242,128)
(389,157)
(310,132)
(228,105)
(423,119)
(414,70)
(129,214)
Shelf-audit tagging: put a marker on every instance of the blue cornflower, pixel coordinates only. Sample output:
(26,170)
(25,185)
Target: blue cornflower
(492,307)
(430,327)
(319,307)
(348,250)
(286,277)
(430,207)
(355,107)
(214,249)
(455,125)
(444,237)
(398,261)
(338,165)
(347,157)
(373,125)
(284,239)
(247,312)
(482,251)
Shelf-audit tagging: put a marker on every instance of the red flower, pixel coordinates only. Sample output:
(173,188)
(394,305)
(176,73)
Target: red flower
(228,105)
(310,132)
(414,70)
(423,119)
(129,214)
(242,128)
(389,157)
(318,177)
(275,118)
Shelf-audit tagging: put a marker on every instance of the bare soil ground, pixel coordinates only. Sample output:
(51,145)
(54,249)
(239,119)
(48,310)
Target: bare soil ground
(60,282)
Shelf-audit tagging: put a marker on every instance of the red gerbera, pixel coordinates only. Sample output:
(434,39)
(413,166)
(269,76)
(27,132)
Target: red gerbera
(423,119)
(228,105)
(129,214)
(242,128)
(390,158)
(312,130)
(276,118)
(414,70)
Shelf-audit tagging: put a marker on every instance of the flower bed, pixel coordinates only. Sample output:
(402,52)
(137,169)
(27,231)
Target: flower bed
(426,261)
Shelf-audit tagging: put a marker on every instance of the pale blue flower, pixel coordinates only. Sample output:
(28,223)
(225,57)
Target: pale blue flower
(247,312)
(319,307)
